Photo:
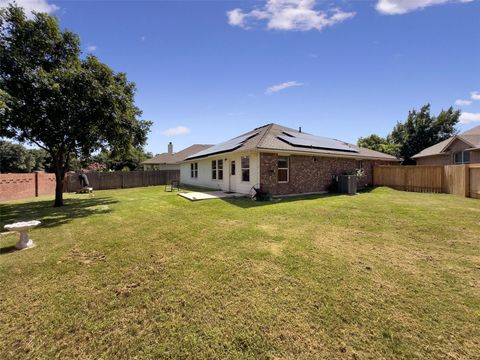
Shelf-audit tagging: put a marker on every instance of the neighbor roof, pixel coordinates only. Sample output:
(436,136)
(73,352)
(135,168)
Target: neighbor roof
(175,158)
(280,138)
(470,137)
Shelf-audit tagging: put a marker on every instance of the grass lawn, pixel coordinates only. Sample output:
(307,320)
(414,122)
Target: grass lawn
(147,274)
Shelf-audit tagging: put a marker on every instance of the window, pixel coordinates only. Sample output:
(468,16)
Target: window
(220,169)
(245,168)
(232,168)
(462,157)
(217,169)
(283,169)
(194,170)
(214,169)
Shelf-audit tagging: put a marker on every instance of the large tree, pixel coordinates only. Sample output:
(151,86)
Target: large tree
(56,99)
(129,160)
(379,143)
(419,131)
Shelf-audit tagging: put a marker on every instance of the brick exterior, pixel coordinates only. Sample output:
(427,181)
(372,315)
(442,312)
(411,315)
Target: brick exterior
(18,186)
(309,173)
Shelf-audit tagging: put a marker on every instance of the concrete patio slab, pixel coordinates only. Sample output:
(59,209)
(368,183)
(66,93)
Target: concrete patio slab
(195,196)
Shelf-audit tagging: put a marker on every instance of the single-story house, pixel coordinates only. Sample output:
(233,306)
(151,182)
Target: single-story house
(171,160)
(463,148)
(282,160)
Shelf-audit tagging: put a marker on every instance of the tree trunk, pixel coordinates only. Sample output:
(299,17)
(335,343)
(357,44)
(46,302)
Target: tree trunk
(59,176)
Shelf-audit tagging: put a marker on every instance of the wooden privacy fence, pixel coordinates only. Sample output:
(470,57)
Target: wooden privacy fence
(123,179)
(461,180)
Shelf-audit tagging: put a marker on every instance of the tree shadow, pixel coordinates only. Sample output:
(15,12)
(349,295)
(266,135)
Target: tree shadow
(54,216)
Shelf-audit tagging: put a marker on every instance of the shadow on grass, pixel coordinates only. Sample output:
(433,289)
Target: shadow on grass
(247,203)
(8,250)
(54,216)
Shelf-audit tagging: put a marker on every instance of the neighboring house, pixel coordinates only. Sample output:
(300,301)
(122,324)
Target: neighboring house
(171,160)
(463,148)
(284,161)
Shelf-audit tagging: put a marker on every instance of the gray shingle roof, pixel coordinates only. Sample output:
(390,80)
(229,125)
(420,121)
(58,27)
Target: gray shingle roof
(268,138)
(471,137)
(177,157)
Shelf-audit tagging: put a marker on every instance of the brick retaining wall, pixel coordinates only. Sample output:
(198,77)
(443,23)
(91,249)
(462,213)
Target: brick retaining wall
(18,186)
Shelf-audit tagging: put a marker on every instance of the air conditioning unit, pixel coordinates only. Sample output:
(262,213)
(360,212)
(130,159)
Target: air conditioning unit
(347,184)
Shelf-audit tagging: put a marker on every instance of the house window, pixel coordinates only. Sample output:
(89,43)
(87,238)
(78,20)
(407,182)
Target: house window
(283,169)
(462,157)
(217,169)
(232,168)
(214,169)
(245,162)
(194,170)
(220,169)
(359,164)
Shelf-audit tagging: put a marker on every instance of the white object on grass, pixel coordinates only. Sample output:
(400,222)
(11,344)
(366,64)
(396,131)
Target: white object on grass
(22,227)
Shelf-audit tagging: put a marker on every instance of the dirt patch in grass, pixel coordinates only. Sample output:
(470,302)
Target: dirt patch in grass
(83,257)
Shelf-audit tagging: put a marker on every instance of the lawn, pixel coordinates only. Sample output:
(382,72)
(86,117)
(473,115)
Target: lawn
(146,274)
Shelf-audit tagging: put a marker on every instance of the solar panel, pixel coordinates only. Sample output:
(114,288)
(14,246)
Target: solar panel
(316,142)
(223,147)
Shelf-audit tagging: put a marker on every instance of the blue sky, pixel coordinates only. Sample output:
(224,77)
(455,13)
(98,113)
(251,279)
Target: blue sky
(211,70)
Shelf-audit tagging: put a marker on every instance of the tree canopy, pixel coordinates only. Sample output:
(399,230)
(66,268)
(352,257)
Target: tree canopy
(54,98)
(419,131)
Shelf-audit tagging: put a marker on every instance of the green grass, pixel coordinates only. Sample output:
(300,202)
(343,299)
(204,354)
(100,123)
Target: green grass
(146,274)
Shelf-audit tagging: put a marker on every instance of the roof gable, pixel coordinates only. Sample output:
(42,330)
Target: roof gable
(470,138)
(177,157)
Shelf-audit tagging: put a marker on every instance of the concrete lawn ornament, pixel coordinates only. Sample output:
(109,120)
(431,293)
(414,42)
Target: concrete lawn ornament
(22,227)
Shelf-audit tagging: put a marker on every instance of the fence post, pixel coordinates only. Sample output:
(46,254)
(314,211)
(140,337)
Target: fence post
(467,180)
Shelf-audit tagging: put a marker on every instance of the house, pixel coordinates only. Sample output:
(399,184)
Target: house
(171,160)
(283,160)
(463,148)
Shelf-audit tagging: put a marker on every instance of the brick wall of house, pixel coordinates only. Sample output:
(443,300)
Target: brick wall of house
(18,186)
(309,173)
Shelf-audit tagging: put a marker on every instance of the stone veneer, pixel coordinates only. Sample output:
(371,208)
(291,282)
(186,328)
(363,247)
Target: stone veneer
(309,173)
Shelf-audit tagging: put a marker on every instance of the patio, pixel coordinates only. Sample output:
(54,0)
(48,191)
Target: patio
(208,195)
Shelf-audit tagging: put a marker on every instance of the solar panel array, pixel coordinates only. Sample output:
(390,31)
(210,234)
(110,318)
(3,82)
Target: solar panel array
(229,145)
(315,142)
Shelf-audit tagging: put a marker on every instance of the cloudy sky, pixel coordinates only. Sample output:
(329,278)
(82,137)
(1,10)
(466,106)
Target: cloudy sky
(209,70)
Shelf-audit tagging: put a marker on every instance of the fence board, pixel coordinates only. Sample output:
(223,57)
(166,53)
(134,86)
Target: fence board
(475,181)
(123,179)
(463,180)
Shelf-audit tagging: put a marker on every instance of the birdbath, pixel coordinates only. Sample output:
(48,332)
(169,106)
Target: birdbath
(22,227)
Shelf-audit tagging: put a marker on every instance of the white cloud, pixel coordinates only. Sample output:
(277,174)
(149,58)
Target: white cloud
(299,15)
(468,117)
(179,130)
(32,5)
(282,86)
(461,102)
(398,7)
(236,17)
(91,48)
(475,95)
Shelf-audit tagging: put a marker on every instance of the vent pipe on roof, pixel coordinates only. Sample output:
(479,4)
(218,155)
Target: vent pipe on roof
(170,148)
(300,129)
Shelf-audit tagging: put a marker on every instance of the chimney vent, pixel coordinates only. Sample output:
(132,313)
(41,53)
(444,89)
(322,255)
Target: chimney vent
(170,148)
(300,129)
